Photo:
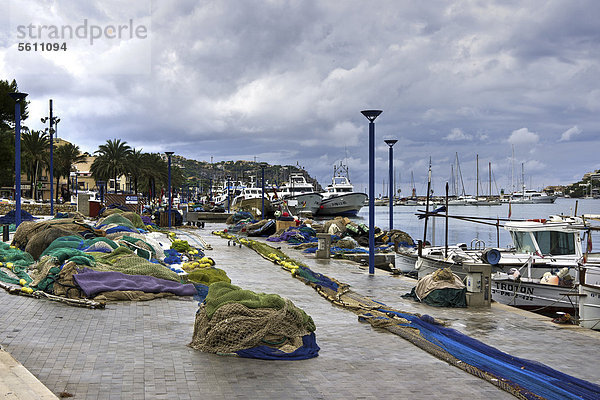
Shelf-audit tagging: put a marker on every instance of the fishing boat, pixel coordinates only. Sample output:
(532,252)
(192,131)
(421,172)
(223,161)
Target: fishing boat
(339,197)
(540,271)
(252,200)
(298,196)
(589,296)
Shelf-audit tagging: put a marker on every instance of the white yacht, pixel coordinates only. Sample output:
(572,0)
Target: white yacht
(339,197)
(529,196)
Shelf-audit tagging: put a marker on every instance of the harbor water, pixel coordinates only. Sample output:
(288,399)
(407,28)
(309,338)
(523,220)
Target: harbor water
(459,231)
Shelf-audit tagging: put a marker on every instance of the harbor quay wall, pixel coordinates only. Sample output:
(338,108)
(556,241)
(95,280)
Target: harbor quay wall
(39,209)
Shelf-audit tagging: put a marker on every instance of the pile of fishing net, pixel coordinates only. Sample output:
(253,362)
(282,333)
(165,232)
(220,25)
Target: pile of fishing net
(254,325)
(14,264)
(29,229)
(441,288)
(11,217)
(295,235)
(239,216)
(264,227)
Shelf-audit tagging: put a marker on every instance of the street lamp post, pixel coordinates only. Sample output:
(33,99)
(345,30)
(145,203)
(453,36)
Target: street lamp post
(371,115)
(228,194)
(262,215)
(169,154)
(52,120)
(100,185)
(18,98)
(391,143)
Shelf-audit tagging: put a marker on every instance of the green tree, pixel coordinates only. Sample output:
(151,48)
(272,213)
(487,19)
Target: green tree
(7,131)
(65,157)
(111,161)
(34,153)
(134,165)
(7,104)
(153,173)
(7,157)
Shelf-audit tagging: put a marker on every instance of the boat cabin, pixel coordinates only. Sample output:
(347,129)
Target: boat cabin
(558,236)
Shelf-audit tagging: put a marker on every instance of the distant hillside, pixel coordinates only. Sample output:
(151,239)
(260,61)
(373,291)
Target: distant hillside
(589,185)
(199,173)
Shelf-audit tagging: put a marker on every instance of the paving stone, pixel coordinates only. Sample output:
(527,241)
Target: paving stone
(139,350)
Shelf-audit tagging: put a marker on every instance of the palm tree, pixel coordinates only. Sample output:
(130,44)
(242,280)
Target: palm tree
(34,150)
(7,155)
(153,173)
(111,161)
(134,165)
(65,156)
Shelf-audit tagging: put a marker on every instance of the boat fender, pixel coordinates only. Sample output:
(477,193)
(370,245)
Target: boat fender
(418,263)
(491,256)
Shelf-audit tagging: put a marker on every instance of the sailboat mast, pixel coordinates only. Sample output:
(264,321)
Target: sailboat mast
(523,177)
(427,203)
(512,171)
(477,177)
(490,178)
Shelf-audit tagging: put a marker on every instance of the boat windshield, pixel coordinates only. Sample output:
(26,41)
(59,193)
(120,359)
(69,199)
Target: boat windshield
(555,243)
(523,242)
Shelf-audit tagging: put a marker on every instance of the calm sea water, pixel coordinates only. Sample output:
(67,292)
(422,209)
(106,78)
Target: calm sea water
(464,232)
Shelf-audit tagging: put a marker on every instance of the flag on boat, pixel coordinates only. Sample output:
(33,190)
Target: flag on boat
(588,248)
(509,209)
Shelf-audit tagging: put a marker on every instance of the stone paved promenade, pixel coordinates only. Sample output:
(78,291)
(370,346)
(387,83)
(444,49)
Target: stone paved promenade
(137,350)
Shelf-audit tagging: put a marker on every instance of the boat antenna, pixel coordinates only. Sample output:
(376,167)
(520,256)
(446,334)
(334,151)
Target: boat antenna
(427,202)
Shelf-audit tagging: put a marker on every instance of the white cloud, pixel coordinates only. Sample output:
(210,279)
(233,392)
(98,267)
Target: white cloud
(457,134)
(523,136)
(569,133)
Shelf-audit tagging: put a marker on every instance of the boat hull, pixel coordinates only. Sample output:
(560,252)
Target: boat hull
(345,204)
(304,203)
(589,302)
(253,205)
(534,296)
(405,261)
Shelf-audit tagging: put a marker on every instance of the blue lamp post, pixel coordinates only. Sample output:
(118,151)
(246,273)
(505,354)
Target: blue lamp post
(100,185)
(18,98)
(169,154)
(262,168)
(371,115)
(228,194)
(391,143)
(52,120)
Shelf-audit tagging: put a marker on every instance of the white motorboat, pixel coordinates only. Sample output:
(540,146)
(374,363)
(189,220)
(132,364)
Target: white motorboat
(589,296)
(529,196)
(339,197)
(534,273)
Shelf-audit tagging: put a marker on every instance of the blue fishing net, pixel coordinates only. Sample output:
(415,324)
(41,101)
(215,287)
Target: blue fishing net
(309,349)
(531,375)
(10,217)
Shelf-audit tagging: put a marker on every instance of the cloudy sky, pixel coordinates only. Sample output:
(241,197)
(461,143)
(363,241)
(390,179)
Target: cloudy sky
(285,81)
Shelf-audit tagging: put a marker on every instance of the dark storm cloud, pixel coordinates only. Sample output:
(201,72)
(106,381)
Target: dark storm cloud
(284,81)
